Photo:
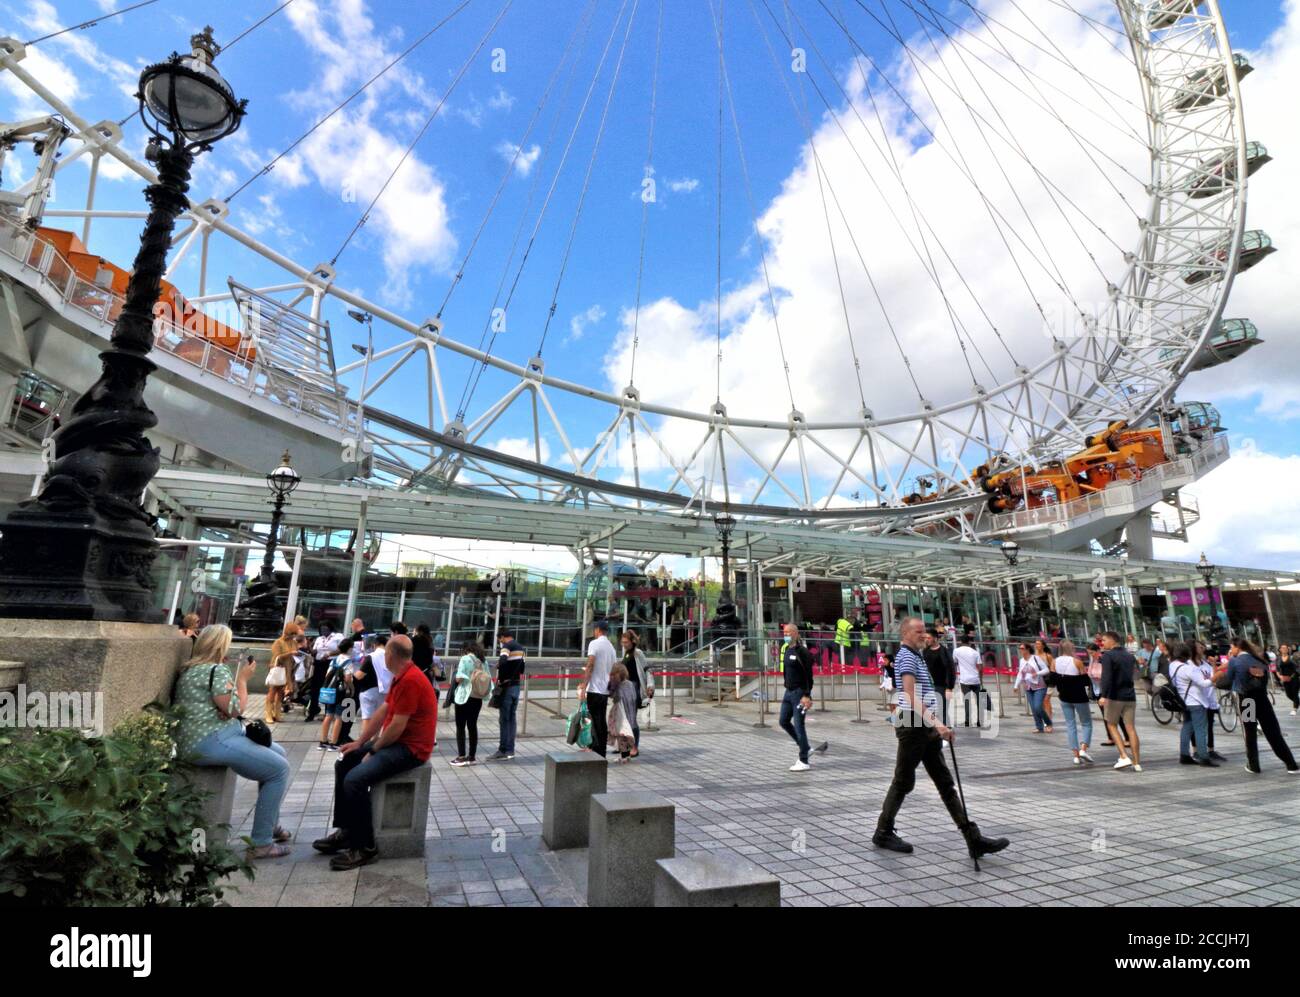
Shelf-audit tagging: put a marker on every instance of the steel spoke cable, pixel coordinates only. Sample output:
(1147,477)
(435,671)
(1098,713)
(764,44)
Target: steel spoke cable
(486,343)
(348,100)
(564,157)
(512,164)
(923,253)
(1083,213)
(919,219)
(987,204)
(1031,78)
(937,140)
(977,121)
(1011,187)
(586,180)
(442,100)
(250,30)
(871,281)
(1010,138)
(717,291)
(826,215)
(91,23)
(645,209)
(749,196)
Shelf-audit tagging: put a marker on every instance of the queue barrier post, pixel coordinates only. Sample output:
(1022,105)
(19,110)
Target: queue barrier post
(857,694)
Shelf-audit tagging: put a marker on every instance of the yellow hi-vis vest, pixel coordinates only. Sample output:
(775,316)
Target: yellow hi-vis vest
(780,658)
(842,632)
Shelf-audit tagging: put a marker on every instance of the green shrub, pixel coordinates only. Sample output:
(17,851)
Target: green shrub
(103,821)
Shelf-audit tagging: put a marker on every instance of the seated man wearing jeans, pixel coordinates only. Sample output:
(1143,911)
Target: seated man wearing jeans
(396,737)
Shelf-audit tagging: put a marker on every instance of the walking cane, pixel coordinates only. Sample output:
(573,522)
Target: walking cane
(957,774)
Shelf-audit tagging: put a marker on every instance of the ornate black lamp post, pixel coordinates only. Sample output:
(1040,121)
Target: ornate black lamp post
(260,613)
(1207,571)
(725,623)
(84,548)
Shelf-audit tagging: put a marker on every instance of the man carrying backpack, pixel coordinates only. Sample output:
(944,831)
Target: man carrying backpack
(1247,674)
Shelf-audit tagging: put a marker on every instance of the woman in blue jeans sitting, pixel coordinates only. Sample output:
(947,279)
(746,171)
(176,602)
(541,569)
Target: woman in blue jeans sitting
(212,697)
(1032,670)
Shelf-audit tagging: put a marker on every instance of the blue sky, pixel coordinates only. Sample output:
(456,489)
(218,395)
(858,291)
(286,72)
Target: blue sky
(305,59)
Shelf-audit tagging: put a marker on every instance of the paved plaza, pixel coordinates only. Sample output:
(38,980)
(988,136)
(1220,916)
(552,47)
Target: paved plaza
(1171,835)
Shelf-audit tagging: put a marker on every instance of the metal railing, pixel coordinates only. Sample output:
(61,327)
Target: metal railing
(236,368)
(1151,483)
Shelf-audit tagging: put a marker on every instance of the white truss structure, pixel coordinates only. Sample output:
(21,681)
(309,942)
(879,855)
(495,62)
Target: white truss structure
(1127,368)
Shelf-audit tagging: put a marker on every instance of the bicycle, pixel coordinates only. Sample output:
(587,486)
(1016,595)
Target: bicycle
(1229,715)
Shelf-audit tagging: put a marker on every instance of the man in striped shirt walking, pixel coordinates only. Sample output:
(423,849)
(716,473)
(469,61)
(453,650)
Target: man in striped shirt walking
(920,742)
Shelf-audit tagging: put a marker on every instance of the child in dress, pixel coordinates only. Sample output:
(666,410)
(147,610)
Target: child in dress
(622,709)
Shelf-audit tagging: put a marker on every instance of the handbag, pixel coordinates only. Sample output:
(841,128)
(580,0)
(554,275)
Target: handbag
(255,730)
(276,676)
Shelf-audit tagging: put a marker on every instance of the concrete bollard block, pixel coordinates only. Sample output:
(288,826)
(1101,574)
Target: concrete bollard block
(399,813)
(629,833)
(218,781)
(571,781)
(714,879)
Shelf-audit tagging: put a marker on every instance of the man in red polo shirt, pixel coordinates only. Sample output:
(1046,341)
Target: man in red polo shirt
(396,737)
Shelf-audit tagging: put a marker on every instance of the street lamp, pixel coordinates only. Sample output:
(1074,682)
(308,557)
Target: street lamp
(84,548)
(724,621)
(1207,571)
(1011,551)
(259,613)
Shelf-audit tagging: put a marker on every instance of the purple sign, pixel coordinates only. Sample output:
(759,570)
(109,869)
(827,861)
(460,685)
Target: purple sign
(1182,597)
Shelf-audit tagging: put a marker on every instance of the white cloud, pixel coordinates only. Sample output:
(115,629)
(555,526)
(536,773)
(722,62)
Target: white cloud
(518,446)
(524,159)
(683,186)
(1266,294)
(501,100)
(1249,507)
(352,157)
(579,324)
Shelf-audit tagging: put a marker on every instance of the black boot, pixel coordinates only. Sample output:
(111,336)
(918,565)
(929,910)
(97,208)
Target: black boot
(891,842)
(979,845)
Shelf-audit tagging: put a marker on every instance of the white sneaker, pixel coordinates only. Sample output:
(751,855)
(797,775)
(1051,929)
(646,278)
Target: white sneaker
(1251,770)
(1123,763)
(800,767)
(1293,713)
(1086,757)
(1137,768)
(1293,771)
(1077,760)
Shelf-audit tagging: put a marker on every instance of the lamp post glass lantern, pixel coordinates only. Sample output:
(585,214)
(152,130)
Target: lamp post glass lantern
(725,621)
(260,612)
(84,547)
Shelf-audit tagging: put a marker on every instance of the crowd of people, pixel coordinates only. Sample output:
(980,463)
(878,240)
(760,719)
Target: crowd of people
(392,682)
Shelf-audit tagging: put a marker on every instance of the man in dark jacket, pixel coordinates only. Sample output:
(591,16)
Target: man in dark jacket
(797,666)
(943,672)
(1118,699)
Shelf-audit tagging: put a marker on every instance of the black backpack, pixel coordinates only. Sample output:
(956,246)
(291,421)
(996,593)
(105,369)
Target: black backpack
(1167,695)
(1256,685)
